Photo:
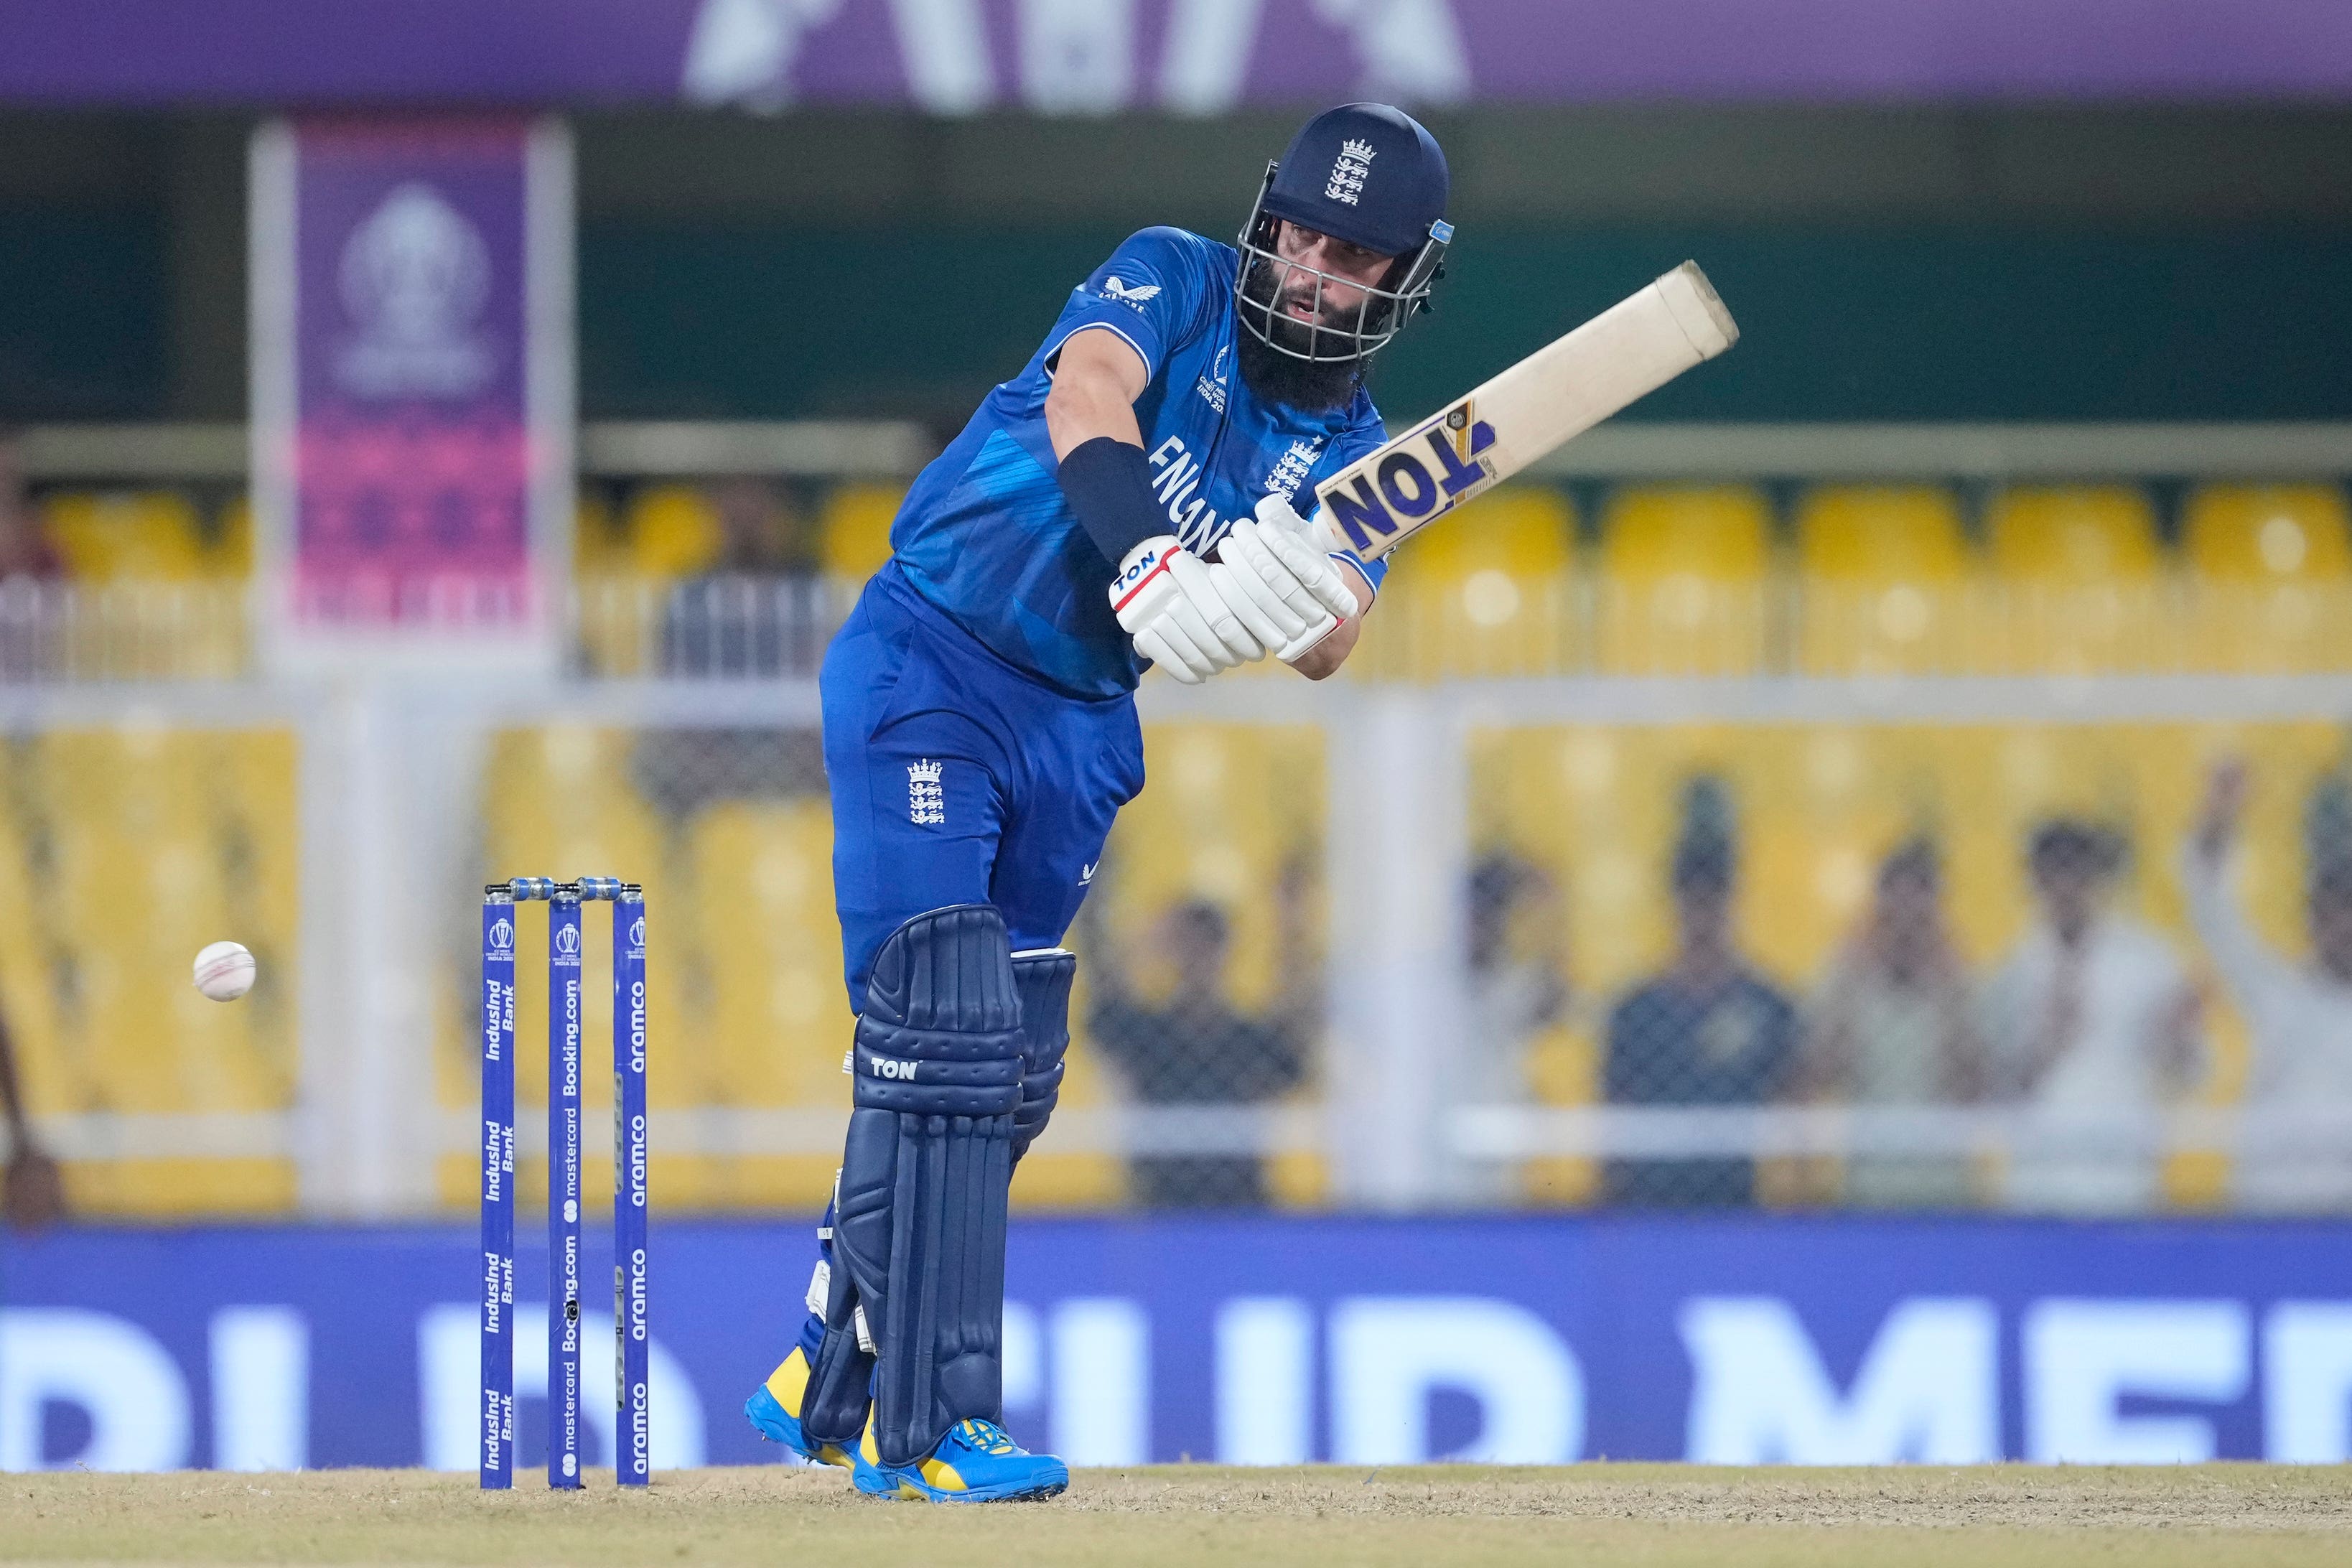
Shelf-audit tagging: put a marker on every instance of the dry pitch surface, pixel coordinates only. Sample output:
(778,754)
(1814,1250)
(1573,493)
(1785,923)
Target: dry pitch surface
(2206,1516)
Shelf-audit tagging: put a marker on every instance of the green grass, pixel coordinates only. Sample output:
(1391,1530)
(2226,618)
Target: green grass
(2202,1517)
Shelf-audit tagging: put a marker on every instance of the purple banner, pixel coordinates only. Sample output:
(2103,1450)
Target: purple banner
(396,383)
(1063,57)
(1729,1338)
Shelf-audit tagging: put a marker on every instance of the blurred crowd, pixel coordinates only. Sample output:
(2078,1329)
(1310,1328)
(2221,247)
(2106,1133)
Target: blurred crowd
(2090,1017)
(2091,1010)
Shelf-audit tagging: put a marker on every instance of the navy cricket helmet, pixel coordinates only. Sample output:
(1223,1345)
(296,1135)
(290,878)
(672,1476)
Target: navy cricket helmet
(1365,173)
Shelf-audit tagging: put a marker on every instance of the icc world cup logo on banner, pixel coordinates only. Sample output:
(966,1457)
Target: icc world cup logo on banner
(415,278)
(413,381)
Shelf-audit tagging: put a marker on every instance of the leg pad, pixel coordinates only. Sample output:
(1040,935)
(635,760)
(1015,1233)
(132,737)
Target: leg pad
(1044,976)
(919,1222)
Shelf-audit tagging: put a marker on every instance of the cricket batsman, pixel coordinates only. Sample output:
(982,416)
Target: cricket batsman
(1126,500)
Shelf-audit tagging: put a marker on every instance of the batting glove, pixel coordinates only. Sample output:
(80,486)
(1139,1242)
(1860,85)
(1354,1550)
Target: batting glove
(1273,563)
(1165,599)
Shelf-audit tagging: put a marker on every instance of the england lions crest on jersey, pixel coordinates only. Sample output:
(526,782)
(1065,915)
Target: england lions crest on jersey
(415,278)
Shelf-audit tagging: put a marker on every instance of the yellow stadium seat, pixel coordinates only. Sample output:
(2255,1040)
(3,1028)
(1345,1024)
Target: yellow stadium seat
(147,864)
(672,531)
(2079,581)
(161,598)
(2271,577)
(599,547)
(110,535)
(857,521)
(762,918)
(1884,571)
(229,552)
(1683,586)
(1486,594)
(2268,533)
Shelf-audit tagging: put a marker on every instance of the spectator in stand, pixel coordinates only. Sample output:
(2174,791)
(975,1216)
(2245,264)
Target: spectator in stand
(749,615)
(25,550)
(2091,1012)
(1892,1025)
(1197,1048)
(1708,1031)
(2299,1016)
(31,1194)
(1515,995)
(25,558)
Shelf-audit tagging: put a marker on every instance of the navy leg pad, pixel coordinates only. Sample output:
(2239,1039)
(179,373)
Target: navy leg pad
(841,1372)
(1043,975)
(919,1229)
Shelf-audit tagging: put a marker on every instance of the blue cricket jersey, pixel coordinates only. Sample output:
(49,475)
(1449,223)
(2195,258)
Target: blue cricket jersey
(985,534)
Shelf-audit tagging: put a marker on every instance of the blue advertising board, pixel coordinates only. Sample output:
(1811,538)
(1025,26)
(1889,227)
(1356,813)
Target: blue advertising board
(1252,1339)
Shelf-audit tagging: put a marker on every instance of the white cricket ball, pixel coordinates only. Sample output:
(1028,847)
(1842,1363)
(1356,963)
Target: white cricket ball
(225,971)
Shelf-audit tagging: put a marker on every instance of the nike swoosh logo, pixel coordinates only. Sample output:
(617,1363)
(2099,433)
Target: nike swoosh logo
(1087,875)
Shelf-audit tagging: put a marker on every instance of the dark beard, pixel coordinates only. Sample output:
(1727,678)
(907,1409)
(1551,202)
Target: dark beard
(1311,386)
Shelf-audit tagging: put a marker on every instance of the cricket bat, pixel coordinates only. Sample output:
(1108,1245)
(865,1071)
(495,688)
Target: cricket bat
(1553,395)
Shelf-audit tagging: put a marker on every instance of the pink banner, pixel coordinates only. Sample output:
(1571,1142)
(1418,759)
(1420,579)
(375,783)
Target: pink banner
(418,438)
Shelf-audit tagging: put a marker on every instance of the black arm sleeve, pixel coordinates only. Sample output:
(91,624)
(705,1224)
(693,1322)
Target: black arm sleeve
(1109,486)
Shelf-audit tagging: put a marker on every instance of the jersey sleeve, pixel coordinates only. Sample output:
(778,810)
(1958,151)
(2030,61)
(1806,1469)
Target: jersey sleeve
(1365,436)
(1153,292)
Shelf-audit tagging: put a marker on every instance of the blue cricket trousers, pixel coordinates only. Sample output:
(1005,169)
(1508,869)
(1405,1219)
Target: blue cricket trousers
(957,778)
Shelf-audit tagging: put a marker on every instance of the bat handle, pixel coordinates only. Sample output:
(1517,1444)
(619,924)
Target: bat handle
(1322,533)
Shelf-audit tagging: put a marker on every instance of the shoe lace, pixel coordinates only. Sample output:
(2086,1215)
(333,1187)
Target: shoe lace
(988,1438)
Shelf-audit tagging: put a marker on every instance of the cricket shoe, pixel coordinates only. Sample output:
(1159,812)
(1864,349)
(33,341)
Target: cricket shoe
(975,1462)
(775,1410)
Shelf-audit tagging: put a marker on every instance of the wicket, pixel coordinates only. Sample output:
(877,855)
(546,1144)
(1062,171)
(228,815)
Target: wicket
(632,1458)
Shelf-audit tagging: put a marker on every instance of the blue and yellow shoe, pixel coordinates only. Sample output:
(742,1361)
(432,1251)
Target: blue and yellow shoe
(775,1410)
(975,1462)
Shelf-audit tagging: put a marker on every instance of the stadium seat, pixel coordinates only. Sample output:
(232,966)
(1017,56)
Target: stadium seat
(1486,594)
(151,857)
(761,923)
(2270,577)
(1884,578)
(598,546)
(671,530)
(156,596)
(857,526)
(116,535)
(1683,581)
(229,551)
(2079,585)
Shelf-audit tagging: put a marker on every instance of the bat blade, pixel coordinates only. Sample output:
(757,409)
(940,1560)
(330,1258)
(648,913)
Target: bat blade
(1554,394)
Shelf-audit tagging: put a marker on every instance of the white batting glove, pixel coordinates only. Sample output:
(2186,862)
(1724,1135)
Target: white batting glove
(1165,599)
(1274,565)
(1259,604)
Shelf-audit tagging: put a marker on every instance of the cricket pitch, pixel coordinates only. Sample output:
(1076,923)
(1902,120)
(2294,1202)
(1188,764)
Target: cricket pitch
(1653,1515)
